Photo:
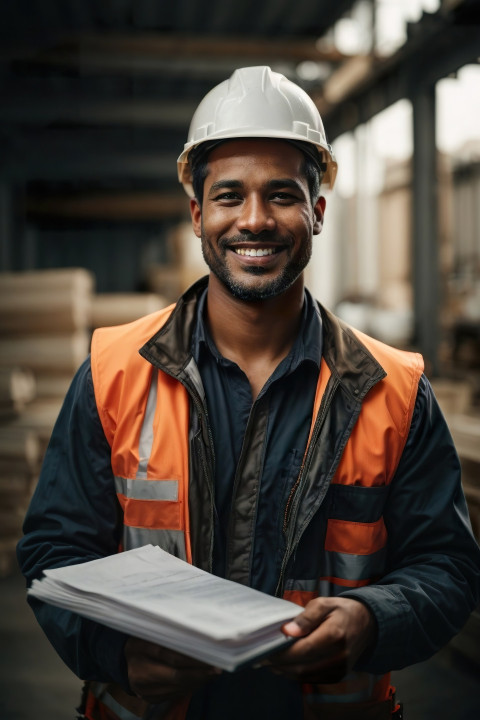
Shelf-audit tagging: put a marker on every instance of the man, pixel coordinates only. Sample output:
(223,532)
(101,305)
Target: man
(252,433)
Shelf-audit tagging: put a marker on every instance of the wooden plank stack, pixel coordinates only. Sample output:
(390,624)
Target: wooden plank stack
(118,308)
(463,418)
(45,319)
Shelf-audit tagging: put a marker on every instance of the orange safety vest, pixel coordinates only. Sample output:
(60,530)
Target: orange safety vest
(145,415)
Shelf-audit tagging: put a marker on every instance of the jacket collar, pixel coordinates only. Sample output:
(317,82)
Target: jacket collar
(170,348)
(347,357)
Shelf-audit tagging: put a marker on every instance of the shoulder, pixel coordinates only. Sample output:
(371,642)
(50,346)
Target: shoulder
(389,376)
(392,358)
(133,334)
(116,363)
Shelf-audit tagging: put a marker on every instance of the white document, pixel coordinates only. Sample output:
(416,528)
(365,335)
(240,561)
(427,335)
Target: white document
(155,596)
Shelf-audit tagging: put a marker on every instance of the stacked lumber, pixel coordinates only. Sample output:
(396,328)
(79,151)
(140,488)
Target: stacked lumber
(465,429)
(17,388)
(19,465)
(455,398)
(45,319)
(118,308)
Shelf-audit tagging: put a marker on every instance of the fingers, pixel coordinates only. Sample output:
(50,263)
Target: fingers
(157,653)
(156,673)
(332,633)
(323,641)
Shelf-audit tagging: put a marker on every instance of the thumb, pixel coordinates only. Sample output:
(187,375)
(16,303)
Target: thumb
(308,620)
(299,626)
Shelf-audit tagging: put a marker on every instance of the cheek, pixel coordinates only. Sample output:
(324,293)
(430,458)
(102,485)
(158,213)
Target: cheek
(215,227)
(304,225)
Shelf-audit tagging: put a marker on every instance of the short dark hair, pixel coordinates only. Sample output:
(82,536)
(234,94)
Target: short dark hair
(313,170)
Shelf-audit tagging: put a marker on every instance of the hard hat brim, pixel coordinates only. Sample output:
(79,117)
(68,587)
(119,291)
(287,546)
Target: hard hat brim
(325,158)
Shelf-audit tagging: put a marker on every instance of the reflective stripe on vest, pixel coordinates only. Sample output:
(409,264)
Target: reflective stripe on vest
(140,496)
(149,446)
(354,687)
(99,696)
(111,702)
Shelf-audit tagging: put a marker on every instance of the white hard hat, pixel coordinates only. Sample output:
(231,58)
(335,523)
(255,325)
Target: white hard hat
(257,103)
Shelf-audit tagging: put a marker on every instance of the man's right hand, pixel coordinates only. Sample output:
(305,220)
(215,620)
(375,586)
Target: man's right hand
(157,674)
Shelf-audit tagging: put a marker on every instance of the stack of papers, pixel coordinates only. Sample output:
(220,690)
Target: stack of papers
(152,595)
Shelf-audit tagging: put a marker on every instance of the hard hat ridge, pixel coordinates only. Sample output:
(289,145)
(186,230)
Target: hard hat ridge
(257,103)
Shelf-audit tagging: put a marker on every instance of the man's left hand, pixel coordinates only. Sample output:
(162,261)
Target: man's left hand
(333,633)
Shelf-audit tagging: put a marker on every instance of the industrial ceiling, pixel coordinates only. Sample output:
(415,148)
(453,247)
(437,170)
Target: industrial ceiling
(97,96)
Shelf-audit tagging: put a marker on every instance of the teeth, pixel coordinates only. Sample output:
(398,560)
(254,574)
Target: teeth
(252,252)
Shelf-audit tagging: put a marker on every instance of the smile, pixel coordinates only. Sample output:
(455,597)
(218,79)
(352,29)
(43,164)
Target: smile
(253,252)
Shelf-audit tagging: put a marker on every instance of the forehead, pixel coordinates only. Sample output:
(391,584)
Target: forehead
(253,157)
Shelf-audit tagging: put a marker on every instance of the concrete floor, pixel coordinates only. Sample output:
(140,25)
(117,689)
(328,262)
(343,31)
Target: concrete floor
(35,685)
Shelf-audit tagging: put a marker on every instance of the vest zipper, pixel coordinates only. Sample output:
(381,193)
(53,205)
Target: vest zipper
(291,508)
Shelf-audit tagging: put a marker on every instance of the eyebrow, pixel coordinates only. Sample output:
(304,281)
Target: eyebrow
(221,184)
(285,182)
(272,185)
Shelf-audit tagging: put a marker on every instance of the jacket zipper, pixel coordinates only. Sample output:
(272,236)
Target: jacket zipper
(291,508)
(207,471)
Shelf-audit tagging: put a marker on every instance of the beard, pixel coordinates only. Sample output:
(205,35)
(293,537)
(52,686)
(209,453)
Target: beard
(255,283)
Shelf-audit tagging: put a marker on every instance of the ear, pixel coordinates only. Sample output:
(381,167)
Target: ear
(196,213)
(318,212)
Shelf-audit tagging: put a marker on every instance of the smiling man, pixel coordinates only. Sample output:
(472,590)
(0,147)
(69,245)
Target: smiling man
(265,217)
(252,433)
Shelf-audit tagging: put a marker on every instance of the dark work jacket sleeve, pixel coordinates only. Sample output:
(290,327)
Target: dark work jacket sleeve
(73,517)
(432,582)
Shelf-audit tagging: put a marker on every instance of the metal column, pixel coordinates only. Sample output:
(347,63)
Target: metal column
(6,223)
(425,227)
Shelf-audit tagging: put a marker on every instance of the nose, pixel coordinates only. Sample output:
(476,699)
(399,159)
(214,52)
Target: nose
(255,216)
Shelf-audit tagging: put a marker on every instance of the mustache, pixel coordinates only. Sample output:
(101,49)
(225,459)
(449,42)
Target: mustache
(251,238)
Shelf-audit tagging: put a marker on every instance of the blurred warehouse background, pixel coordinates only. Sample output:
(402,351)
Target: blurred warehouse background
(96,99)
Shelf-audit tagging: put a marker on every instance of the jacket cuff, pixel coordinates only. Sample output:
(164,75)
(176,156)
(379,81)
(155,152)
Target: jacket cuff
(391,614)
(108,648)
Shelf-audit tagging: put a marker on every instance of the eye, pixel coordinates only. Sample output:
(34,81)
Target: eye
(227,197)
(284,198)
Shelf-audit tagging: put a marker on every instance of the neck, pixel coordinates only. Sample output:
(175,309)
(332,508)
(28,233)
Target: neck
(249,333)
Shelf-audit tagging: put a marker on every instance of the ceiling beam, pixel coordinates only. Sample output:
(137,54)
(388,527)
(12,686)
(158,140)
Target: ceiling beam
(139,206)
(144,50)
(47,163)
(51,107)
(435,51)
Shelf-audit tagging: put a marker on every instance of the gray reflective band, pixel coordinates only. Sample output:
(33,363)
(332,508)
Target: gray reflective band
(323,588)
(302,585)
(329,589)
(146,434)
(343,566)
(101,693)
(356,687)
(353,567)
(151,489)
(172,541)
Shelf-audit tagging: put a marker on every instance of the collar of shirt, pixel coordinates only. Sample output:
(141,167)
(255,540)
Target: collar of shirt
(307,345)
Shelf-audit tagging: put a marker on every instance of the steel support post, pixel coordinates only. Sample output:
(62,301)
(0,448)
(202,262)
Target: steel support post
(425,227)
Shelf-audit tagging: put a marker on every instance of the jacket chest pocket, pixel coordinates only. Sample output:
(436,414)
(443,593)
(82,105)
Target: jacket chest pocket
(343,547)
(355,546)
